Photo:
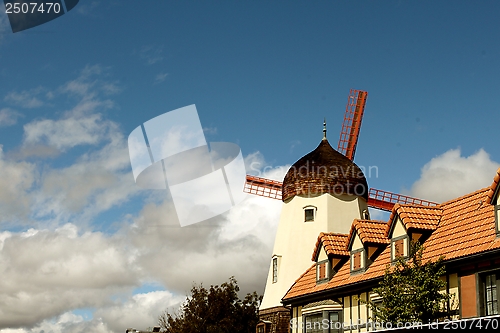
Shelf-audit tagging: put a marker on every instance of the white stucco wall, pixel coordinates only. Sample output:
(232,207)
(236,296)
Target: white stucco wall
(399,229)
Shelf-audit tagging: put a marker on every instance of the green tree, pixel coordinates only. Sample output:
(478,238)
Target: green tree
(214,310)
(412,291)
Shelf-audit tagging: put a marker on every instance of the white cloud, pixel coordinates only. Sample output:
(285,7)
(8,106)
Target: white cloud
(232,242)
(64,265)
(140,311)
(61,269)
(16,181)
(68,322)
(256,165)
(81,125)
(8,117)
(26,98)
(66,133)
(451,175)
(160,77)
(96,182)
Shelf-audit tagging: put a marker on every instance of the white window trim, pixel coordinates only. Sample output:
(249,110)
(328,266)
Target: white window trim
(315,210)
(276,258)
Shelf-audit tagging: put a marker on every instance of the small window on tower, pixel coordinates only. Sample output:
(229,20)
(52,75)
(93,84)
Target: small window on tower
(309,214)
(275,270)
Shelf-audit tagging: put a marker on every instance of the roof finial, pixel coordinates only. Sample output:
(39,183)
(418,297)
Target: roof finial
(324,129)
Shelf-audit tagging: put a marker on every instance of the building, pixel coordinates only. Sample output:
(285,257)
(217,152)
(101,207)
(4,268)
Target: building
(323,191)
(330,274)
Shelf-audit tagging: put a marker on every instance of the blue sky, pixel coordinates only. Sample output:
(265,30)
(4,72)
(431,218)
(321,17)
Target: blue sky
(263,75)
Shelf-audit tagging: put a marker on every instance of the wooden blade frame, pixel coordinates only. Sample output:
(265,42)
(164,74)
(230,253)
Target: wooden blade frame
(376,198)
(386,200)
(352,123)
(263,187)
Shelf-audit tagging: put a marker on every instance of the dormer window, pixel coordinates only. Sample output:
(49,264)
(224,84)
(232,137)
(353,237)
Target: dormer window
(323,271)
(309,213)
(399,247)
(357,260)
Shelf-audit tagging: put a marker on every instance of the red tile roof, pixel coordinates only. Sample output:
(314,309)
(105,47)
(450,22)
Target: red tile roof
(369,231)
(334,245)
(416,217)
(462,227)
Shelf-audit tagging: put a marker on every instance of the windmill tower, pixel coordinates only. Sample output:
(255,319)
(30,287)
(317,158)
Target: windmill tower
(324,191)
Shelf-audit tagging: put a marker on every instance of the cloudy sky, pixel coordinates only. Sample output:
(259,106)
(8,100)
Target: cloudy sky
(83,248)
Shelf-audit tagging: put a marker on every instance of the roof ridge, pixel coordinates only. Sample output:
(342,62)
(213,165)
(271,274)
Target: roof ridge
(449,202)
(332,234)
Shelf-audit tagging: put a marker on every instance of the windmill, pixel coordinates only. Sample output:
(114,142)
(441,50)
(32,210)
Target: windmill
(348,140)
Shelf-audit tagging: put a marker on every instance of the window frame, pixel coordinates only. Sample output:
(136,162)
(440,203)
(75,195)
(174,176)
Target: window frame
(484,291)
(406,250)
(328,270)
(314,210)
(325,314)
(362,260)
(275,269)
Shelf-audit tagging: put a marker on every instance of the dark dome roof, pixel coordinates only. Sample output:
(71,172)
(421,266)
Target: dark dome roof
(324,170)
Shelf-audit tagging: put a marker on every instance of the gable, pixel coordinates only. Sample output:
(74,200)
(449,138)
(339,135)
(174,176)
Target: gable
(356,242)
(398,228)
(322,254)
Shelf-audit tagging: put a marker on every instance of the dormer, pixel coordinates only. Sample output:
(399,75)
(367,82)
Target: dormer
(330,253)
(365,242)
(411,223)
(400,244)
(494,199)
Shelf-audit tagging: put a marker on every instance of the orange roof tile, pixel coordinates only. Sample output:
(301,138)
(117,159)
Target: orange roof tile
(334,245)
(465,226)
(416,217)
(369,231)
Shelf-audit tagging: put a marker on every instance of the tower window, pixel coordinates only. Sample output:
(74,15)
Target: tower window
(275,270)
(309,213)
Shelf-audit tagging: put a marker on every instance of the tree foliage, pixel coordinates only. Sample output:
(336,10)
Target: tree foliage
(412,291)
(214,310)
